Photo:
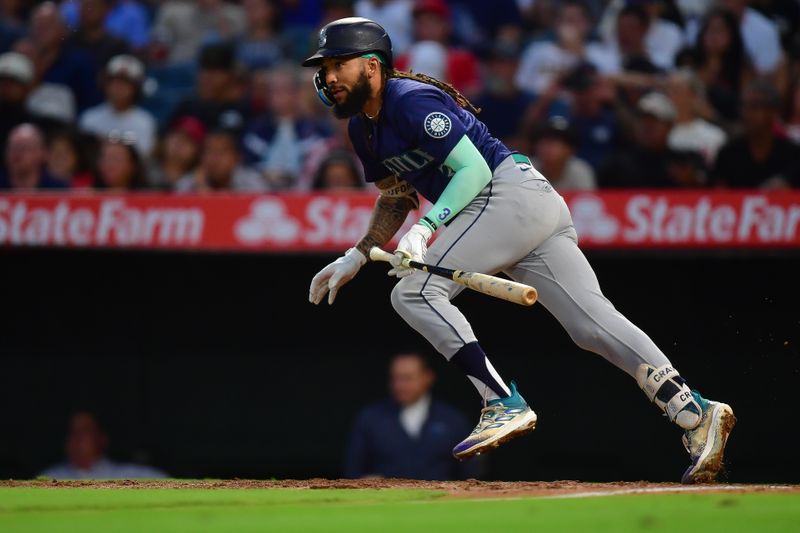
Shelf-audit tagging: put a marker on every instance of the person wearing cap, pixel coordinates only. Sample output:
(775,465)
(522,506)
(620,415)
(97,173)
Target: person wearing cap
(554,156)
(178,152)
(645,164)
(124,76)
(219,101)
(432,31)
(544,61)
(16,80)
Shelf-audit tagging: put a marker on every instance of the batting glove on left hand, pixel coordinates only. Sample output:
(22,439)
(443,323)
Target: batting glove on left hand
(414,246)
(331,278)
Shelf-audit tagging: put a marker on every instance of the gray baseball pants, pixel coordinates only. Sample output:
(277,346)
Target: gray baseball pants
(521,226)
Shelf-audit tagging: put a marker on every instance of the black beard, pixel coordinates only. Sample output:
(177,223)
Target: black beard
(355,99)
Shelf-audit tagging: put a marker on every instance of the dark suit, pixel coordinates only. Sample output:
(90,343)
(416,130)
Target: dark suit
(379,445)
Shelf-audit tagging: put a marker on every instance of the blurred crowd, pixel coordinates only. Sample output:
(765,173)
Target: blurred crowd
(208,95)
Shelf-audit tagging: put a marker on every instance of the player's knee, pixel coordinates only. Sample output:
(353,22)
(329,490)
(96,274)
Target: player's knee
(587,336)
(402,299)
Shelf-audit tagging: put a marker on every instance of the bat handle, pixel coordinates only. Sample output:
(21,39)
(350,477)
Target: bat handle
(378,254)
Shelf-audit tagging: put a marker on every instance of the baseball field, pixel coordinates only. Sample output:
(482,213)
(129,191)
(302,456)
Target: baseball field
(392,505)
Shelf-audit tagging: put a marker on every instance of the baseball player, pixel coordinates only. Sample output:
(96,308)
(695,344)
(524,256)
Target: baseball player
(494,213)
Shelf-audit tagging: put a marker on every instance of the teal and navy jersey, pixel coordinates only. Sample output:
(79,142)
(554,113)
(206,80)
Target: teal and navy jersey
(418,127)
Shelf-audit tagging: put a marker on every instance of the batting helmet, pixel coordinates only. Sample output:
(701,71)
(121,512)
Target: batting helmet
(351,36)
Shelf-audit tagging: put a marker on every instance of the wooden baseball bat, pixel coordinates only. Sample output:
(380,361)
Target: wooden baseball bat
(491,285)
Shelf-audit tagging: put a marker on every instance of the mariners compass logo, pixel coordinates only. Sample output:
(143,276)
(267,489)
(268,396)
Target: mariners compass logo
(323,37)
(437,125)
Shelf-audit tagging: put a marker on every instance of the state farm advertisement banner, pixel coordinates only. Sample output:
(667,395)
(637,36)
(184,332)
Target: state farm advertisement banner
(333,222)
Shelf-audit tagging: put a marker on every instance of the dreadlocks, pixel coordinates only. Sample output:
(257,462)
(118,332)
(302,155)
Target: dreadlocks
(460,99)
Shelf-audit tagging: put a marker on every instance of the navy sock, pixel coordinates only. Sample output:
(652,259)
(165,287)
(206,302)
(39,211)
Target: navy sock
(473,361)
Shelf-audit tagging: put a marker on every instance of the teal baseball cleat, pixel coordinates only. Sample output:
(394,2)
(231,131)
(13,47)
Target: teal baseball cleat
(706,442)
(501,420)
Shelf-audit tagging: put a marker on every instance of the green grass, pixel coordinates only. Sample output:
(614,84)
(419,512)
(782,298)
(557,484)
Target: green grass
(90,510)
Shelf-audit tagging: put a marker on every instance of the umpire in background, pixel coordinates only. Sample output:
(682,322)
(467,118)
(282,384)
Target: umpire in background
(409,435)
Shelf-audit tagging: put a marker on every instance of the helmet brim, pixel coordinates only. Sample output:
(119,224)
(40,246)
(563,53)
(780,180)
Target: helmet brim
(323,53)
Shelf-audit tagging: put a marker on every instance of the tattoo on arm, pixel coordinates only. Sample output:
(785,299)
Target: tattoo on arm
(387,218)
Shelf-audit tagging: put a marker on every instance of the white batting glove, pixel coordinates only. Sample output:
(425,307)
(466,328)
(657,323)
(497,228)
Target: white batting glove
(414,246)
(331,278)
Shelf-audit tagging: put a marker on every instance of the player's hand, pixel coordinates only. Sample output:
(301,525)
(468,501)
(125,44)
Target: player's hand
(414,246)
(331,278)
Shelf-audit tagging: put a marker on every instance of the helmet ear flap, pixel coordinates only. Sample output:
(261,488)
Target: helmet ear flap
(322,89)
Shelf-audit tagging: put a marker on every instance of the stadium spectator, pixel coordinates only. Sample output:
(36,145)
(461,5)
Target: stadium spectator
(338,172)
(124,76)
(554,157)
(219,102)
(68,158)
(721,63)
(57,63)
(663,39)
(120,166)
(92,37)
(395,16)
(793,113)
(633,24)
(261,46)
(178,152)
(760,36)
(85,448)
(592,115)
(278,143)
(220,168)
(544,62)
(478,24)
(759,157)
(26,161)
(16,80)
(183,27)
(126,19)
(692,132)
(410,435)
(432,31)
(12,23)
(646,163)
(503,105)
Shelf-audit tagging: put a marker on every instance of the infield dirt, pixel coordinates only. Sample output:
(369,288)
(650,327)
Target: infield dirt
(454,489)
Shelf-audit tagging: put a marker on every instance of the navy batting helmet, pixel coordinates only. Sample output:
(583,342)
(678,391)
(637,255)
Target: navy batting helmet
(351,36)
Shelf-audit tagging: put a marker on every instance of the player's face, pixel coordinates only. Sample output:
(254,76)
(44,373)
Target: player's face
(348,84)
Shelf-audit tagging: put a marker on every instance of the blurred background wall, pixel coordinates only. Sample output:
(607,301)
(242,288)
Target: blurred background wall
(232,373)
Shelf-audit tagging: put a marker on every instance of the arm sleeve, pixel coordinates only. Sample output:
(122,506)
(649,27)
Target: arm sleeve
(472,173)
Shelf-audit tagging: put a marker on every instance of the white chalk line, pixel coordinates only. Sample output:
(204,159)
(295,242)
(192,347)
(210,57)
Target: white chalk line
(659,490)
(622,492)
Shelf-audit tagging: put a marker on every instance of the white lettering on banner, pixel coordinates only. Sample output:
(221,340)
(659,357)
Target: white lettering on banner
(117,223)
(653,219)
(335,221)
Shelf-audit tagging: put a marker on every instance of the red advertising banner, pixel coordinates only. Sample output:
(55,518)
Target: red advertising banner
(333,222)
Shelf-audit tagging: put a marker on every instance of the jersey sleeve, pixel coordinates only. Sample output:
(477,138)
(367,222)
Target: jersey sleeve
(426,119)
(373,171)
